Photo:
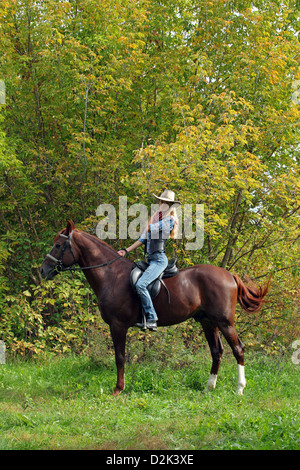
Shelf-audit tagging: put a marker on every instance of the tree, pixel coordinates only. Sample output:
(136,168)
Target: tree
(125,98)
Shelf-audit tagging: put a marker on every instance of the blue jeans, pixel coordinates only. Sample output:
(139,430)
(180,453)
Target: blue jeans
(157,264)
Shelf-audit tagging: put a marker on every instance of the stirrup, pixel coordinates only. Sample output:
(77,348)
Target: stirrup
(142,325)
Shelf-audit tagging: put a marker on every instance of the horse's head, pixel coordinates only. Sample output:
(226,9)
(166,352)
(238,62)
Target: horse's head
(61,256)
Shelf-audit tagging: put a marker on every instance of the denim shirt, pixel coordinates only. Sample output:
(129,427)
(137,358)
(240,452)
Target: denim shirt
(158,230)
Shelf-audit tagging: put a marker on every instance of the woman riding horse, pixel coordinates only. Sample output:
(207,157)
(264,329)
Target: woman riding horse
(163,225)
(204,292)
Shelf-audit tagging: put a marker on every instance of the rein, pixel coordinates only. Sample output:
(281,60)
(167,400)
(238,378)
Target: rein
(71,268)
(60,267)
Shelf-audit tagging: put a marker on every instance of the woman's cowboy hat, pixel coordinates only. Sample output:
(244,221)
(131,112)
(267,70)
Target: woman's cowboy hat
(167,196)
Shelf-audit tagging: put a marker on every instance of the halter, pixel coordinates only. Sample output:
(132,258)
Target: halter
(59,266)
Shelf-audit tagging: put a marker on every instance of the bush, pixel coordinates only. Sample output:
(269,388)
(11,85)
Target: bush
(52,317)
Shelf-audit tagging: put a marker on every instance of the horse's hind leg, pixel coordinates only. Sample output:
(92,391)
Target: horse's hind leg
(238,351)
(216,348)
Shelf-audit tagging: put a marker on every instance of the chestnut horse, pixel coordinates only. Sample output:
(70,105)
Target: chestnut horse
(204,292)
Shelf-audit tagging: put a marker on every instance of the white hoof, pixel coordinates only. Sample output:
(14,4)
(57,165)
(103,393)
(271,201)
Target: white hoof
(211,384)
(240,390)
(241,380)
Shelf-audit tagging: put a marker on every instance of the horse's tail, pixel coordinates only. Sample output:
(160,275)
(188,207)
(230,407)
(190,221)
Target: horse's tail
(251,298)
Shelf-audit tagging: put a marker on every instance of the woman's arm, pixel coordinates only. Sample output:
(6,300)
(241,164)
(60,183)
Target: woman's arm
(132,247)
(165,225)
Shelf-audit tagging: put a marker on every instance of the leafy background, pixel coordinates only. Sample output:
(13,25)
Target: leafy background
(127,98)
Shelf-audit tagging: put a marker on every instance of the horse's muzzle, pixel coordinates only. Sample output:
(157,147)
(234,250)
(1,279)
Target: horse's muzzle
(48,272)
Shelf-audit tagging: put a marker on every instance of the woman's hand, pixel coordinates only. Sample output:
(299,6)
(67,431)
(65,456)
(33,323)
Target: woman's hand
(125,251)
(122,252)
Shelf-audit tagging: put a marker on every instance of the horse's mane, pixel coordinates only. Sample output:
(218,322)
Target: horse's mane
(97,240)
(71,227)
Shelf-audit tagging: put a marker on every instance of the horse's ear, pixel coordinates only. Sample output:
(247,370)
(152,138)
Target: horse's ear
(70,227)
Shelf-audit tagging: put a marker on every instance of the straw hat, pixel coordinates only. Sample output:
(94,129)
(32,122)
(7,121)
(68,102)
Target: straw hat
(167,196)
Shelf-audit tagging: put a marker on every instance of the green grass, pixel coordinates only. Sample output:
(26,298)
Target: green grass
(67,404)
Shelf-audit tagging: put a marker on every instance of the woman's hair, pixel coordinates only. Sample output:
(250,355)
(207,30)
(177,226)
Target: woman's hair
(174,232)
(170,212)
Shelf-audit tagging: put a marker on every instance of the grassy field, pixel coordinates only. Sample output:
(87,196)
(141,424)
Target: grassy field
(67,404)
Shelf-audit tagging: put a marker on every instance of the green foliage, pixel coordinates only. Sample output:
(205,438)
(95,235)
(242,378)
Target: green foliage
(126,98)
(49,318)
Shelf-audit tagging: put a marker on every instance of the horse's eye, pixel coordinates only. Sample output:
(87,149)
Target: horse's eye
(57,245)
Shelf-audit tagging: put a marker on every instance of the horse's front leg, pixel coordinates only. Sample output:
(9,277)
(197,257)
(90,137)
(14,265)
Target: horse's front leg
(118,334)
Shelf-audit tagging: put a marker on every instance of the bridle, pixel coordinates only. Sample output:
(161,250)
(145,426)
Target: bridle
(59,266)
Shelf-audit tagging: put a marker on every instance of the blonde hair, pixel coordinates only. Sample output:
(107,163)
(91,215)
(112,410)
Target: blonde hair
(174,232)
(170,212)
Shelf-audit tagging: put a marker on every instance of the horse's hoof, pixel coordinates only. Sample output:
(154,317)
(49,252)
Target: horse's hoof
(211,384)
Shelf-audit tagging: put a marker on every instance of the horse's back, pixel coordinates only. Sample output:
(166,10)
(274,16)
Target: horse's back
(205,275)
(215,273)
(201,288)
